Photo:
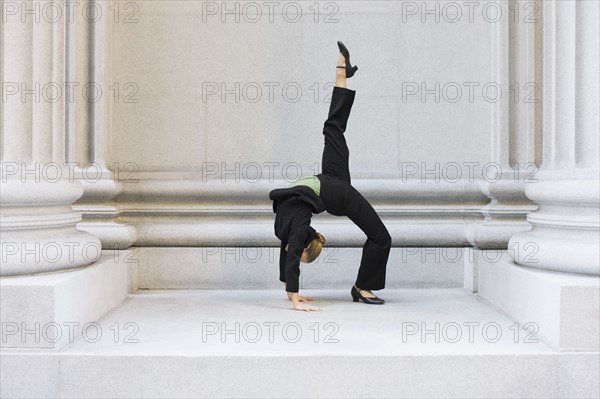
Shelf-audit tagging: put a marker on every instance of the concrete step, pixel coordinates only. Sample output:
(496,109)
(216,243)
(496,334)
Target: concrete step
(243,267)
(436,343)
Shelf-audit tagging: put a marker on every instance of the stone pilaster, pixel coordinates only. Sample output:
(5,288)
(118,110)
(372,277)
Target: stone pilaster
(515,130)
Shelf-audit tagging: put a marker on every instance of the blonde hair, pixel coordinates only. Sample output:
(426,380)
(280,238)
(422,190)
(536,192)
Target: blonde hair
(314,248)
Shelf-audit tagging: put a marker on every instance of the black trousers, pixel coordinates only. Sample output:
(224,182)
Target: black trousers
(342,199)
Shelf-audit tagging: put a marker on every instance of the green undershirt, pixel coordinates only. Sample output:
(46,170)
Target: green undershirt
(310,181)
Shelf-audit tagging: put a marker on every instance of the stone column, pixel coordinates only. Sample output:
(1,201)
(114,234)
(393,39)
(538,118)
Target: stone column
(565,232)
(548,278)
(38,224)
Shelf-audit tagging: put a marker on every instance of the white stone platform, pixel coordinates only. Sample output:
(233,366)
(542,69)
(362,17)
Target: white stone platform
(180,350)
(566,307)
(44,309)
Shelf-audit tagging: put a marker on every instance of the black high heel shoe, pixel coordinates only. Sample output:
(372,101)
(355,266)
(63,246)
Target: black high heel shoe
(356,295)
(349,68)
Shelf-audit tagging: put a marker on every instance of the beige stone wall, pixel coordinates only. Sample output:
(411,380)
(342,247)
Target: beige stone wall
(226,91)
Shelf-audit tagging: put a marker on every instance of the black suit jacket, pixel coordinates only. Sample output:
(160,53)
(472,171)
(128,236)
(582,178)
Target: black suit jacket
(294,207)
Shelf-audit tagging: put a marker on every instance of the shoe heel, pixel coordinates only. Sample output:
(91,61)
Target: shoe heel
(354,299)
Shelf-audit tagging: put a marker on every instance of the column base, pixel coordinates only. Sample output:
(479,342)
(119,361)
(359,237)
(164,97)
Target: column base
(565,230)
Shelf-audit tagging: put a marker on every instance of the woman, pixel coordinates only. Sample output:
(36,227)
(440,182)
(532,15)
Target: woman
(330,191)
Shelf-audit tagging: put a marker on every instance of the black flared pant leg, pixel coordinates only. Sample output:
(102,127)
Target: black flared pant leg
(342,199)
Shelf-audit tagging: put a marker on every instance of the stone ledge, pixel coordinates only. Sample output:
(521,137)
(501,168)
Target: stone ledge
(240,267)
(565,306)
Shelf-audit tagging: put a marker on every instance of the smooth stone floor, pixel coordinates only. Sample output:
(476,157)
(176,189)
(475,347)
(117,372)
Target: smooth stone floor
(234,343)
(262,322)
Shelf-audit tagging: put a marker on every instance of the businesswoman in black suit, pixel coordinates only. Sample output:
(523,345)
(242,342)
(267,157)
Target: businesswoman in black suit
(333,192)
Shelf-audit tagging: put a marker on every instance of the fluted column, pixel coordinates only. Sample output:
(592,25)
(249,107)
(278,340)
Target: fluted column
(565,228)
(38,224)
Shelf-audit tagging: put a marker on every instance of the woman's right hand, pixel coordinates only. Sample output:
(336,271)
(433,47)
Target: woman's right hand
(300,298)
(306,307)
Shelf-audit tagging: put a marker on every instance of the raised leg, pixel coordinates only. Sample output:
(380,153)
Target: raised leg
(335,152)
